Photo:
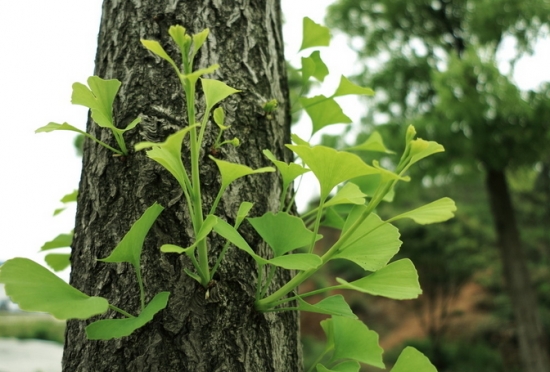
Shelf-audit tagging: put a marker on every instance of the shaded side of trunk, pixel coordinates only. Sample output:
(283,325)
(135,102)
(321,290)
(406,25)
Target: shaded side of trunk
(531,337)
(222,332)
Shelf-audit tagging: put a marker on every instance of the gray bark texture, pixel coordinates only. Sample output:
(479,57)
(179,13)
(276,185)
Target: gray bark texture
(531,338)
(222,332)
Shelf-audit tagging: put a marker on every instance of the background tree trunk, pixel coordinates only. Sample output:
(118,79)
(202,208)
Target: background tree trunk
(223,332)
(522,295)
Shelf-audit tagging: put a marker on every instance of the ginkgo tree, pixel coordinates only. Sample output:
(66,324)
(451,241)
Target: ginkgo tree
(226,234)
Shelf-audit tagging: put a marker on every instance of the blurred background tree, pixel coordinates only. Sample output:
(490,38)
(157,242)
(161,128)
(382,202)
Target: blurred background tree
(433,63)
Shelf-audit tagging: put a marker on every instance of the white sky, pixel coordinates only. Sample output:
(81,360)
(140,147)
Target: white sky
(49,45)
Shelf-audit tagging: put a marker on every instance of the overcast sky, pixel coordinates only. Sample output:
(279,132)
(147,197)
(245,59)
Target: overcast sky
(49,45)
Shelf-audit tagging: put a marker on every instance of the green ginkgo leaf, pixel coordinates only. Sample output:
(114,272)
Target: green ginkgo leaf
(60,241)
(438,211)
(219,118)
(297,140)
(297,261)
(168,154)
(205,229)
(314,34)
(242,212)
(107,329)
(398,280)
(232,235)
(182,40)
(232,171)
(352,339)
(58,261)
(421,149)
(129,248)
(332,167)
(198,40)
(412,360)
(270,226)
(70,197)
(347,366)
(215,91)
(323,111)
(333,305)
(314,66)
(99,97)
(156,48)
(373,143)
(50,127)
(346,87)
(289,171)
(35,288)
(372,245)
(347,194)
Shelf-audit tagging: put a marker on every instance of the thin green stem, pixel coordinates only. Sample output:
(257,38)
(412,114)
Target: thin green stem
(317,224)
(314,364)
(307,294)
(259,282)
(283,197)
(120,141)
(268,281)
(267,302)
(219,260)
(128,315)
(216,201)
(141,289)
(103,144)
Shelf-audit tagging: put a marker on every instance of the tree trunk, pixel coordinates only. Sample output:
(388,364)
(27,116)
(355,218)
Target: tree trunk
(531,337)
(222,332)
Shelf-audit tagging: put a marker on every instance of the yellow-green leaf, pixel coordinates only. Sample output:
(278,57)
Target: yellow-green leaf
(35,288)
(314,34)
(107,329)
(398,280)
(438,211)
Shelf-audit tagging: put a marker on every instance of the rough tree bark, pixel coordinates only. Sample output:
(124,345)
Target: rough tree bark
(531,337)
(223,332)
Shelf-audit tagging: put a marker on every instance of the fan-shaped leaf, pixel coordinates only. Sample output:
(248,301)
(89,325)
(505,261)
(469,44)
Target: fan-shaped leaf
(323,111)
(168,154)
(398,280)
(99,97)
(289,171)
(60,241)
(373,143)
(412,360)
(347,194)
(35,288)
(297,261)
(347,87)
(232,171)
(215,91)
(107,329)
(372,245)
(157,49)
(333,305)
(332,167)
(353,340)
(270,227)
(129,248)
(314,66)
(438,211)
(58,261)
(314,34)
